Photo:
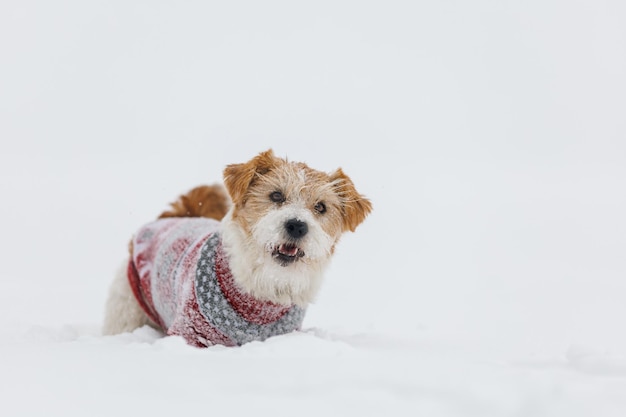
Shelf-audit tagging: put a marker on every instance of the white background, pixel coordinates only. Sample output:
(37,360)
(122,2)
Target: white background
(489,135)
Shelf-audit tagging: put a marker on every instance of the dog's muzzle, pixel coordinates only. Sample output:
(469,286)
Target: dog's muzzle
(289,252)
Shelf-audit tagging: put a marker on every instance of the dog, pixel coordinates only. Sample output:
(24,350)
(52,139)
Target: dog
(237,264)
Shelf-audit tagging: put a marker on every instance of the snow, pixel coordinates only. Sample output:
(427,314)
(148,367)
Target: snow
(488,281)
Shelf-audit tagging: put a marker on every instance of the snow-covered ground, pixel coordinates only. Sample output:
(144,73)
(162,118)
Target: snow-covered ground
(489,281)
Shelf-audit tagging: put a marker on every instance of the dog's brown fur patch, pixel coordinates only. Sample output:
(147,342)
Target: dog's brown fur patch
(239,177)
(210,201)
(355,206)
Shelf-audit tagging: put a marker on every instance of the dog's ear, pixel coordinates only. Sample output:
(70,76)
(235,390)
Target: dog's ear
(239,177)
(355,207)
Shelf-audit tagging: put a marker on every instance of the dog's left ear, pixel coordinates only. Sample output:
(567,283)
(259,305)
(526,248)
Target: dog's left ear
(239,177)
(355,207)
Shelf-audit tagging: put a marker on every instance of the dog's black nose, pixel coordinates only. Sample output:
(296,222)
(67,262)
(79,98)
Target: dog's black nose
(296,229)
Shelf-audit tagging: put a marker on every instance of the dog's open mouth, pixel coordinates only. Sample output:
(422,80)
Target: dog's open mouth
(286,253)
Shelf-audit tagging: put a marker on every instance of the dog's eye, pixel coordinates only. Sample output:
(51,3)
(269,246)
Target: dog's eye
(277,197)
(320,208)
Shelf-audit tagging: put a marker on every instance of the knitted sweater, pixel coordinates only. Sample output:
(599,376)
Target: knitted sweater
(180,276)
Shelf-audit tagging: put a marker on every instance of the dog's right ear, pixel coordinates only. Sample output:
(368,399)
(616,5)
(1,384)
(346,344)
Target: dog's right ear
(239,177)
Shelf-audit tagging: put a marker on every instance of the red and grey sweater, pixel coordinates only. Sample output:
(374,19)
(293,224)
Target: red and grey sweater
(180,276)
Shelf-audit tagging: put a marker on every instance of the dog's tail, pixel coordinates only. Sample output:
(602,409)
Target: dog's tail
(210,201)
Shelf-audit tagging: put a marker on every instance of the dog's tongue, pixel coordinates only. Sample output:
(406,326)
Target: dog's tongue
(287,249)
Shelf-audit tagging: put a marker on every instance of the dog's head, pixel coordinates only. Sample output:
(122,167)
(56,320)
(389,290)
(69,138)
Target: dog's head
(284,224)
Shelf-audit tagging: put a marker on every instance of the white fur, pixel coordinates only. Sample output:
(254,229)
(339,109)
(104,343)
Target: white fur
(258,273)
(122,312)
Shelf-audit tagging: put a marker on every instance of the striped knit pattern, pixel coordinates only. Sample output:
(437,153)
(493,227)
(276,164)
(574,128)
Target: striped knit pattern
(180,277)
